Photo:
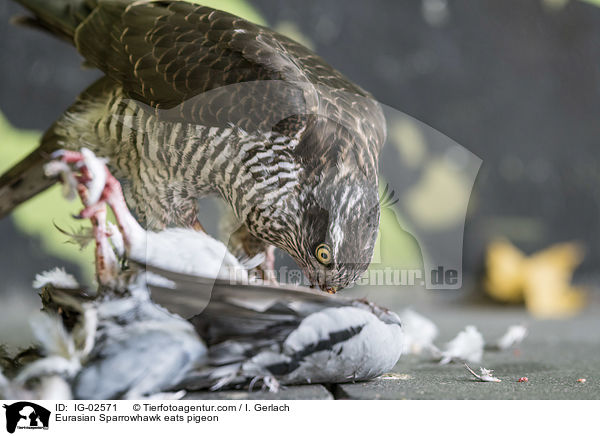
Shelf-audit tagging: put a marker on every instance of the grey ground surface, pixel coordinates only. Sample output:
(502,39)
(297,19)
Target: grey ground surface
(309,392)
(553,357)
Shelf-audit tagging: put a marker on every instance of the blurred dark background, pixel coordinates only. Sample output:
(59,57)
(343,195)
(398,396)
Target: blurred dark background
(517,82)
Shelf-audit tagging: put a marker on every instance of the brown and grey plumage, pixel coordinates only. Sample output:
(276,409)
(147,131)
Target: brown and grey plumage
(197,101)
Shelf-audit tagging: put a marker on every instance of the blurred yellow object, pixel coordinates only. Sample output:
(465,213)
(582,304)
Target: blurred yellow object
(542,280)
(504,272)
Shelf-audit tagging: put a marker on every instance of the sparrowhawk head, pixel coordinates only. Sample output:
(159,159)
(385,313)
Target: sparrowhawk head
(329,221)
(338,231)
(330,229)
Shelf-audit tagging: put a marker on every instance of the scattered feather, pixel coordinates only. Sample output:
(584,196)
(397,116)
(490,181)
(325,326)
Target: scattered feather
(513,336)
(419,332)
(80,237)
(466,346)
(57,278)
(486,374)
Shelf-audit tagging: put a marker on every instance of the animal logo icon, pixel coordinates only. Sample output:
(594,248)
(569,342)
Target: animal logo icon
(26,415)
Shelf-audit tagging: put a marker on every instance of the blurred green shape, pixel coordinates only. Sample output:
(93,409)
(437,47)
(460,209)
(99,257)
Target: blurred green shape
(241,8)
(36,217)
(395,248)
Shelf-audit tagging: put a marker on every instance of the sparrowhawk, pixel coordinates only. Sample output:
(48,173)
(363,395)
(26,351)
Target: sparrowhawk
(196,101)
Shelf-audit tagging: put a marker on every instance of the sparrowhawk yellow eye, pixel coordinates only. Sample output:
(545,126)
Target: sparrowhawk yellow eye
(323,254)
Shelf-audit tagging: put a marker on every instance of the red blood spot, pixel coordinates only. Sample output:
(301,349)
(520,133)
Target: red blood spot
(523,380)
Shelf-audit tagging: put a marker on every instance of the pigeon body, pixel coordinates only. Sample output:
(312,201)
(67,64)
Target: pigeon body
(140,349)
(333,345)
(196,101)
(279,335)
(246,336)
(206,256)
(133,347)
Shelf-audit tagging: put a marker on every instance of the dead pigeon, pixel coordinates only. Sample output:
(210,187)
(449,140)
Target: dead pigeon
(123,344)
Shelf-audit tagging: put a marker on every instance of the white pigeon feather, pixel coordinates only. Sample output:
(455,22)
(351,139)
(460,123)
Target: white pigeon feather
(513,336)
(485,376)
(56,277)
(467,345)
(419,332)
